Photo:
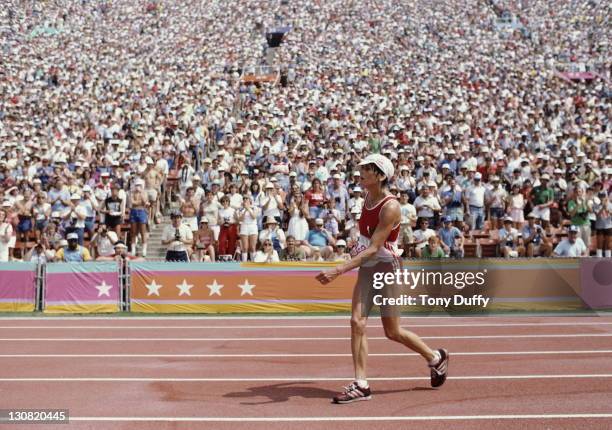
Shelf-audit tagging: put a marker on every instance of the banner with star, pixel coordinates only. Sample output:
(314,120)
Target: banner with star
(525,285)
(17,287)
(91,287)
(236,288)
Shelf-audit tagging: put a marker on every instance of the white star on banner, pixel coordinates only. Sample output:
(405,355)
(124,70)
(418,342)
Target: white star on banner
(153,288)
(246,288)
(104,289)
(184,288)
(215,288)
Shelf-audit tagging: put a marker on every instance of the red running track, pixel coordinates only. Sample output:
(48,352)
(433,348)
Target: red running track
(263,373)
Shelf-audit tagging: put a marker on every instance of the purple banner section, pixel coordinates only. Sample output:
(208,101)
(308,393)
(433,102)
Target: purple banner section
(17,283)
(82,284)
(596,282)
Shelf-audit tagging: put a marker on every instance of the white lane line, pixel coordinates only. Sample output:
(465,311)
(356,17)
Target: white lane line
(308,379)
(276,327)
(296,317)
(284,339)
(349,418)
(390,354)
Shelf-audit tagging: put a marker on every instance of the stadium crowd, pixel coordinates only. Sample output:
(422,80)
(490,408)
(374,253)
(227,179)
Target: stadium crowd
(112,112)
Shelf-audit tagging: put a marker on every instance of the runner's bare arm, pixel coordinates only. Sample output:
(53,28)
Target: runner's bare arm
(389,217)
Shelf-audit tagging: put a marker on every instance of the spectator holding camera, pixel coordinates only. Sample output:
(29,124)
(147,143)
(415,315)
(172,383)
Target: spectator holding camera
(38,254)
(534,237)
(178,237)
(509,240)
(451,239)
(103,242)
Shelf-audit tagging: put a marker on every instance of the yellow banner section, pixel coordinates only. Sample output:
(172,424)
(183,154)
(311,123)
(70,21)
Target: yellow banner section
(81,309)
(17,307)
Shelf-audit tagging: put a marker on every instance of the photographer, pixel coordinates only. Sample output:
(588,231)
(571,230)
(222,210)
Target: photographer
(535,239)
(102,243)
(179,238)
(38,254)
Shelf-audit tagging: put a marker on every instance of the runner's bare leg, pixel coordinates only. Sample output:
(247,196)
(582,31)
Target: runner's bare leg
(395,332)
(359,338)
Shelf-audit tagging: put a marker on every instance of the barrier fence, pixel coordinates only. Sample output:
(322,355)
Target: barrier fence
(159,287)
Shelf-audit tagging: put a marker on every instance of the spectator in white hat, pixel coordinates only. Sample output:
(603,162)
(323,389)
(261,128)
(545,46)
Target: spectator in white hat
(322,239)
(572,245)
(91,206)
(73,252)
(475,202)
(273,233)
(74,218)
(357,200)
(340,252)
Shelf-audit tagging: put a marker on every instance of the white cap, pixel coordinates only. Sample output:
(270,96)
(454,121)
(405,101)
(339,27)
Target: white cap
(87,189)
(444,166)
(477,175)
(336,176)
(341,243)
(319,221)
(72,236)
(75,197)
(382,162)
(357,189)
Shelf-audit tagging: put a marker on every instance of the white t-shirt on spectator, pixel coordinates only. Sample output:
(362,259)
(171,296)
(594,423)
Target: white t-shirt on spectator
(170,233)
(567,249)
(423,235)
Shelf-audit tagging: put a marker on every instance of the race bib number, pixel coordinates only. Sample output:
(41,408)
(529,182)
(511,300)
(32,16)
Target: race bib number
(357,249)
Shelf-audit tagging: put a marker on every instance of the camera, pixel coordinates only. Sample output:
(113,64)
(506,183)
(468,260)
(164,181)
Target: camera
(177,234)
